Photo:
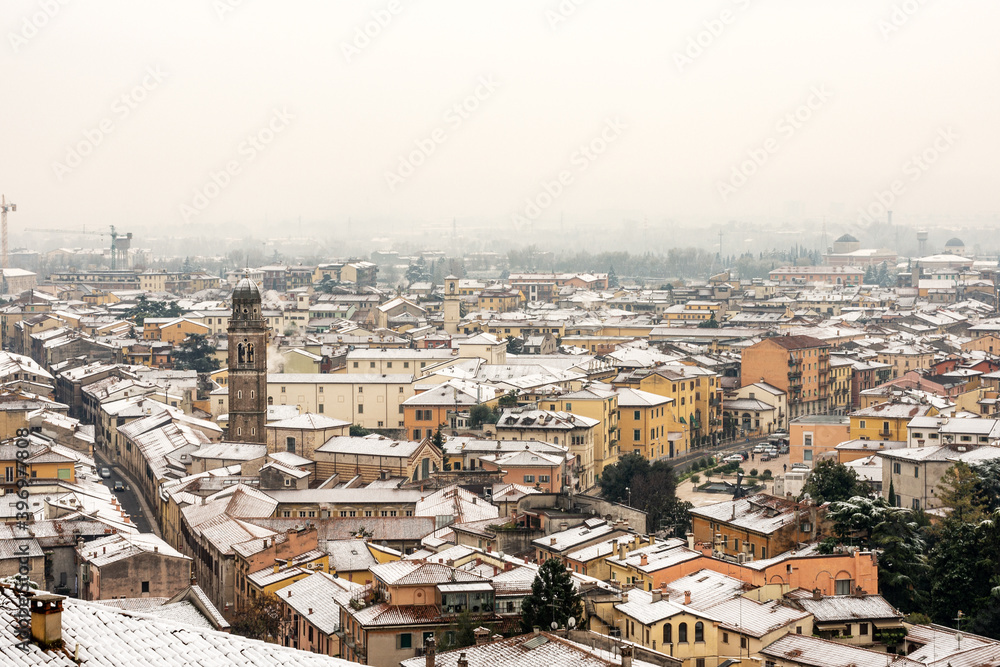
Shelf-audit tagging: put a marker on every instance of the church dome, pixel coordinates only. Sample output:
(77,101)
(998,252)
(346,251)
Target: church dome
(954,242)
(246,289)
(846,238)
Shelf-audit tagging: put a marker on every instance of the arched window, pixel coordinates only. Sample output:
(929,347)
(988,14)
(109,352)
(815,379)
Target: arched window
(270,400)
(240,354)
(682,633)
(249,353)
(252,393)
(668,633)
(699,631)
(239,393)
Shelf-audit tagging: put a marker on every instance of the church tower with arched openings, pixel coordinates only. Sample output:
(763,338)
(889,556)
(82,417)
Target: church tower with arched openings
(247,365)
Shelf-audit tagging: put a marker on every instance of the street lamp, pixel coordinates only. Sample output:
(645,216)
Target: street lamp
(628,490)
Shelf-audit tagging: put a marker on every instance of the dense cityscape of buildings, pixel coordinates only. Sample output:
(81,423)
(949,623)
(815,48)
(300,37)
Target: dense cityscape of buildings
(382,462)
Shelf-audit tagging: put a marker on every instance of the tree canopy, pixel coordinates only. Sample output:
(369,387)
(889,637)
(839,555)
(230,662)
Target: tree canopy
(196,354)
(651,488)
(144,308)
(832,482)
(552,598)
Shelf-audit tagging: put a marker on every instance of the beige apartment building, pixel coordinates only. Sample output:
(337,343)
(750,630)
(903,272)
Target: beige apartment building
(370,401)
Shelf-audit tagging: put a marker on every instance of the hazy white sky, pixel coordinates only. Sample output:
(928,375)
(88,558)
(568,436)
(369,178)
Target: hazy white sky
(671,97)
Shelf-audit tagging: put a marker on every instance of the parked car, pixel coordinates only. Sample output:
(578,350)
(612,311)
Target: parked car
(119,487)
(760,448)
(783,449)
(800,466)
(105,473)
(733,458)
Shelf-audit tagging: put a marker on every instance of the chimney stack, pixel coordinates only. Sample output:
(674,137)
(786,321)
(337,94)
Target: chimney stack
(627,655)
(429,651)
(657,595)
(482,635)
(687,597)
(46,620)
(462,660)
(817,594)
(643,560)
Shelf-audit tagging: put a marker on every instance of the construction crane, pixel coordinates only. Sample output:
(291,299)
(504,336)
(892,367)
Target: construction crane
(120,243)
(4,207)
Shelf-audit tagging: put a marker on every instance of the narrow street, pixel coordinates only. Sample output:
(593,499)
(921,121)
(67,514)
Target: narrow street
(129,498)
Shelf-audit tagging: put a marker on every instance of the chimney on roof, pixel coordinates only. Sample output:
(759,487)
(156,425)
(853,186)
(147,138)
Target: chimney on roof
(482,635)
(643,560)
(621,551)
(690,539)
(627,655)
(552,541)
(46,620)
(817,594)
(657,595)
(429,651)
(687,597)
(462,660)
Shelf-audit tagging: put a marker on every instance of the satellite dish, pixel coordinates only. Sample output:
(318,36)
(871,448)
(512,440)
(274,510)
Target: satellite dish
(555,625)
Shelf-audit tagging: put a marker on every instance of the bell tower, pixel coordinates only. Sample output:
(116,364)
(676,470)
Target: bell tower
(247,365)
(452,305)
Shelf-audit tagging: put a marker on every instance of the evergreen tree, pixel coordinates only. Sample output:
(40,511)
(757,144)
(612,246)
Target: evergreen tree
(552,598)
(832,482)
(196,354)
(612,277)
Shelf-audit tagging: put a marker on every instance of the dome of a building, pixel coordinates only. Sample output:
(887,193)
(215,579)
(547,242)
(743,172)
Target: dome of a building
(846,238)
(954,242)
(246,289)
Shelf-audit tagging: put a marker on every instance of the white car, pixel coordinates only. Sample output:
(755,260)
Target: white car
(733,458)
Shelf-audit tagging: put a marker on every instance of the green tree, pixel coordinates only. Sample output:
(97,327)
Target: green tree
(675,516)
(196,354)
(855,519)
(514,345)
(960,491)
(552,598)
(831,482)
(462,632)
(903,573)
(482,414)
(260,619)
(710,323)
(616,478)
(508,400)
(144,308)
(988,483)
(358,431)
(438,439)
(961,570)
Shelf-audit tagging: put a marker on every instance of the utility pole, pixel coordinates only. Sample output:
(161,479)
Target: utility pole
(4,207)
